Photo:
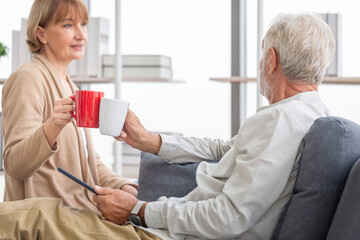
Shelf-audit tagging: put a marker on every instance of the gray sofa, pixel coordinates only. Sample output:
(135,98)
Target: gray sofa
(326,197)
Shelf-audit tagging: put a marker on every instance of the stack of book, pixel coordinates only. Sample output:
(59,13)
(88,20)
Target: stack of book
(334,20)
(98,45)
(139,67)
(130,161)
(19,52)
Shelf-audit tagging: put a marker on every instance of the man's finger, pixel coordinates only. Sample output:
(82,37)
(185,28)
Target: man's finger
(103,190)
(121,137)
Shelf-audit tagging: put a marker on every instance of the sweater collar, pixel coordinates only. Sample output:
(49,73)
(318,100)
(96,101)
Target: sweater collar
(54,74)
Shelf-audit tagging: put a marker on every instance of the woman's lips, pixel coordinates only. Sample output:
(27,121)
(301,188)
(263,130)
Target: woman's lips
(78,47)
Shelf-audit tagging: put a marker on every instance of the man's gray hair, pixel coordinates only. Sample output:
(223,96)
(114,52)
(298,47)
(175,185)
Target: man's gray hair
(303,43)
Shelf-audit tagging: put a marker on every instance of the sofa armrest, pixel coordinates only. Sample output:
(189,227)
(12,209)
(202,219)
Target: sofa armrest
(345,224)
(159,178)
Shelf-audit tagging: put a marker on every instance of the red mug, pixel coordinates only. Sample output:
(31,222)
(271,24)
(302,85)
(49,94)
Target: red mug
(87,104)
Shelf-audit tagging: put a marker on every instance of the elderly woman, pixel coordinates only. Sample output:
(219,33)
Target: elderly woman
(40,133)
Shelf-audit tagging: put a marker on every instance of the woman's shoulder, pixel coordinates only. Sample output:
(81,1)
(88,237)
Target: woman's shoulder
(26,78)
(33,67)
(30,71)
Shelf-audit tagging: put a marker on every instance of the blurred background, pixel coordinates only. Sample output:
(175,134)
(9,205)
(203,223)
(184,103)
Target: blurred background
(196,35)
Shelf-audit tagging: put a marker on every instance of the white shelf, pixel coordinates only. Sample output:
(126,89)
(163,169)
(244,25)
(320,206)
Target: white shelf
(160,80)
(341,80)
(234,79)
(89,80)
(327,80)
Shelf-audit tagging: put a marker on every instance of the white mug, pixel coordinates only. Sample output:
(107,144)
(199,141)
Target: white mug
(112,114)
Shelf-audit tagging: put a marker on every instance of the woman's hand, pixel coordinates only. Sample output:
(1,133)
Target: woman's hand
(129,189)
(61,115)
(58,119)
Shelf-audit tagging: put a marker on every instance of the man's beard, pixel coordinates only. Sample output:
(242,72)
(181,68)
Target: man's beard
(264,83)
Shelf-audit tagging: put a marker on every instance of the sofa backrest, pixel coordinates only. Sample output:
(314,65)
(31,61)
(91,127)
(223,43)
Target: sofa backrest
(330,151)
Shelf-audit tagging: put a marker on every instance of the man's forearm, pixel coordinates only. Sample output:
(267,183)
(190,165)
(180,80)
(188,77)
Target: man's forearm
(151,143)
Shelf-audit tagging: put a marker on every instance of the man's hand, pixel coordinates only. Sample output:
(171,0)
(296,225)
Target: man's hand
(115,205)
(135,135)
(133,131)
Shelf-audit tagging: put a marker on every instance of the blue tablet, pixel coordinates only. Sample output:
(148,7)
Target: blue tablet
(76,180)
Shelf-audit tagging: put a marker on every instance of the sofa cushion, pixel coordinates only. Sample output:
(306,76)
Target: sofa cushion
(330,150)
(159,178)
(345,224)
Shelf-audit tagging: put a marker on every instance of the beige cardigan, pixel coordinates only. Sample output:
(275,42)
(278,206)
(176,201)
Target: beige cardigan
(30,164)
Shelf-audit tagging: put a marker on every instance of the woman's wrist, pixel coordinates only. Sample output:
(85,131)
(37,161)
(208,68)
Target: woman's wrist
(51,132)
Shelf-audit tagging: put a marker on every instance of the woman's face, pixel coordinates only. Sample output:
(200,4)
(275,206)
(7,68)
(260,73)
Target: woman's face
(65,40)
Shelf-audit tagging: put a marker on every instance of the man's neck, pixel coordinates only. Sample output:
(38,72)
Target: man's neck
(294,88)
(286,88)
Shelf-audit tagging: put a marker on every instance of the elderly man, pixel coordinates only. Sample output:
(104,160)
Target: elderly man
(243,195)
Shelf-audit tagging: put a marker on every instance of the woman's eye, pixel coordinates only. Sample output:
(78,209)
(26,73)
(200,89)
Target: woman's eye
(67,25)
(84,24)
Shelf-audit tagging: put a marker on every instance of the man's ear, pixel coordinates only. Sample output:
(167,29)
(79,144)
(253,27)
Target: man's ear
(41,34)
(273,60)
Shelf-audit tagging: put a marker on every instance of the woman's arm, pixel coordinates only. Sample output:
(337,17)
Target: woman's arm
(109,179)
(27,142)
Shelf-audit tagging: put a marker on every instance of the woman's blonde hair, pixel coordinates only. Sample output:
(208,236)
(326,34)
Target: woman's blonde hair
(44,11)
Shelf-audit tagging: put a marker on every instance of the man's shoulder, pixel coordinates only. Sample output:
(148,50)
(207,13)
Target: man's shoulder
(296,104)
(294,111)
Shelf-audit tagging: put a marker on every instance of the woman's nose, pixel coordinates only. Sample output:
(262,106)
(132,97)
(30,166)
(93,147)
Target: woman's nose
(81,32)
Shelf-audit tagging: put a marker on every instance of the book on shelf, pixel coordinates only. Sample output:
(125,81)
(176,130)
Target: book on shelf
(98,44)
(139,60)
(140,72)
(20,52)
(334,20)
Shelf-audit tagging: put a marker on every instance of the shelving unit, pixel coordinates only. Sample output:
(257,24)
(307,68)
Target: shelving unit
(88,80)
(244,80)
(327,80)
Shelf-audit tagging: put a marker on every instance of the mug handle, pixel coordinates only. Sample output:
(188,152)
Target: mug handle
(72,112)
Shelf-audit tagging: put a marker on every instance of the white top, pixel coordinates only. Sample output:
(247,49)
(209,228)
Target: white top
(241,196)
